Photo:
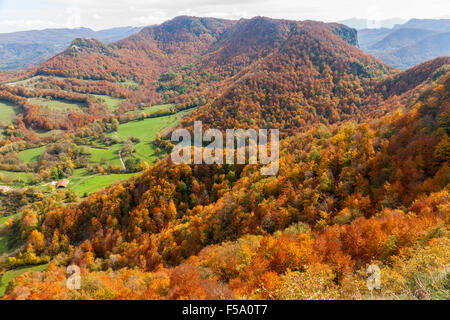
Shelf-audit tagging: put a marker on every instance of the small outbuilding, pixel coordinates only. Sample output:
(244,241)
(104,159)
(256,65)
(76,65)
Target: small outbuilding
(63,184)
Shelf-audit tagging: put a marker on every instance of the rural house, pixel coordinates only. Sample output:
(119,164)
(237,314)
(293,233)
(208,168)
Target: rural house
(63,184)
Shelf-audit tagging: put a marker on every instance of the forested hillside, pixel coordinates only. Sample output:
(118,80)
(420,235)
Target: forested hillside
(363,178)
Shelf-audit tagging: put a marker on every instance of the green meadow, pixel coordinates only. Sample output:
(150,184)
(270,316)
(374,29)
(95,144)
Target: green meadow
(151,109)
(31,154)
(84,183)
(111,102)
(58,105)
(6,218)
(146,131)
(3,237)
(8,112)
(110,154)
(8,177)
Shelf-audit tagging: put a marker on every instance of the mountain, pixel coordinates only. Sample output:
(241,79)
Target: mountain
(401,38)
(409,44)
(56,36)
(438,25)
(226,55)
(423,50)
(19,50)
(144,55)
(371,24)
(368,37)
(287,77)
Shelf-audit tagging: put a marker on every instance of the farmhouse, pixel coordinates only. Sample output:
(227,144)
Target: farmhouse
(63,183)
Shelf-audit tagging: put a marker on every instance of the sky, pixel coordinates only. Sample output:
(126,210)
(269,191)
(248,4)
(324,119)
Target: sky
(16,15)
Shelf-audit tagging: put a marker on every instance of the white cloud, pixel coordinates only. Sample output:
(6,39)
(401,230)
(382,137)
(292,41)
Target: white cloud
(24,23)
(73,17)
(154,18)
(100,14)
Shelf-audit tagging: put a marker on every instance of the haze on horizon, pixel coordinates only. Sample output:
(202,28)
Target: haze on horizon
(17,15)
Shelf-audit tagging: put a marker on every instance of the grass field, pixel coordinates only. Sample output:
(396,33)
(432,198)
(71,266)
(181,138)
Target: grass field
(146,131)
(11,274)
(111,102)
(129,84)
(87,184)
(48,133)
(58,105)
(151,109)
(31,154)
(8,112)
(4,219)
(10,175)
(3,237)
(3,243)
(111,155)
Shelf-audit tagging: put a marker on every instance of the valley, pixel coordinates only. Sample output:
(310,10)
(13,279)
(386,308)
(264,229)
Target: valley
(95,152)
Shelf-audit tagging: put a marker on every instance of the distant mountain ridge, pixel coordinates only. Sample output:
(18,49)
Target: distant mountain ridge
(24,49)
(408,44)
(440,25)
(401,38)
(368,23)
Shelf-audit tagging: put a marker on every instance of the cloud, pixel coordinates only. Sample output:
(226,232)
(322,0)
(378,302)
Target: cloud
(154,18)
(101,14)
(73,17)
(29,23)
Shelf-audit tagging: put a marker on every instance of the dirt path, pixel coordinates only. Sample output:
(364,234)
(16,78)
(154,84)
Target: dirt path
(121,161)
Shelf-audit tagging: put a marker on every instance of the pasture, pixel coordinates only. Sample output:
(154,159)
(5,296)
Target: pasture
(8,112)
(58,105)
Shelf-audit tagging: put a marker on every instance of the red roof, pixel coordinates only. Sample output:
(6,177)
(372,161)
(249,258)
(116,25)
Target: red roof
(63,183)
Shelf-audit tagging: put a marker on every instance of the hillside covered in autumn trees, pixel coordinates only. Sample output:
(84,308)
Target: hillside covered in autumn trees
(364,170)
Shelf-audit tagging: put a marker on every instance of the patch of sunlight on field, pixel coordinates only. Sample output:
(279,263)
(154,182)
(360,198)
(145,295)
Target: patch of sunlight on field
(58,105)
